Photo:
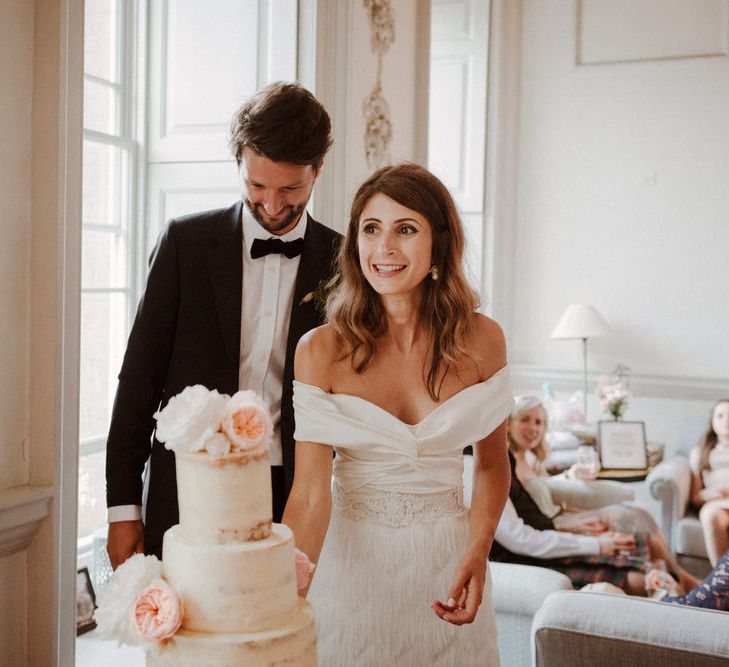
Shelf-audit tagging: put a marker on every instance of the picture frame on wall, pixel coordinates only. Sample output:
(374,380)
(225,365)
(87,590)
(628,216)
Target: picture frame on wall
(85,602)
(622,445)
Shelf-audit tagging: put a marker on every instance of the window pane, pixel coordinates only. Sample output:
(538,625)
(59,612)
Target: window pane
(91,493)
(100,103)
(104,259)
(103,336)
(102,183)
(100,38)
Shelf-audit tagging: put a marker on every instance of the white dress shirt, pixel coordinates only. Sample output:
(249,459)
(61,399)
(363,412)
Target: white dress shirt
(268,296)
(267,299)
(519,538)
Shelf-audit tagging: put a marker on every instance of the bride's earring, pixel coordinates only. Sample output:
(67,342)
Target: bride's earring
(433,272)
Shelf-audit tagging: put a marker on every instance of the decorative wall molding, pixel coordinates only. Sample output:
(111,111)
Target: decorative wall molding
(22,508)
(376,111)
(652,386)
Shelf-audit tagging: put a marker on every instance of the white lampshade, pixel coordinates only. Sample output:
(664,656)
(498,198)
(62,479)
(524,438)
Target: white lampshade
(580,320)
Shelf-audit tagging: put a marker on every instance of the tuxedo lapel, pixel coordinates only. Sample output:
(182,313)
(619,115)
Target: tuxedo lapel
(316,265)
(225,263)
(313,268)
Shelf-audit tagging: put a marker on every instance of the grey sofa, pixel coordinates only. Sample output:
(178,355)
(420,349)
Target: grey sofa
(519,590)
(518,593)
(670,483)
(573,629)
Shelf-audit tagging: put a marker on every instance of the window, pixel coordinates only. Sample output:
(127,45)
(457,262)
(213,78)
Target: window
(149,157)
(108,241)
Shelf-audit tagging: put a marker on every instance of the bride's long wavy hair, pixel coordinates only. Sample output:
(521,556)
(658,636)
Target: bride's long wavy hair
(354,308)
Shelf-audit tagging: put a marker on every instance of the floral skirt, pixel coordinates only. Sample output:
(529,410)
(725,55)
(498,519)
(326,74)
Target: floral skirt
(712,592)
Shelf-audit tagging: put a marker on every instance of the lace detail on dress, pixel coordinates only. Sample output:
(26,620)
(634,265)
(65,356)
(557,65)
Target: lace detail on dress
(398,509)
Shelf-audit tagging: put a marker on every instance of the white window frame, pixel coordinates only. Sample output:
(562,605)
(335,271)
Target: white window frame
(131,25)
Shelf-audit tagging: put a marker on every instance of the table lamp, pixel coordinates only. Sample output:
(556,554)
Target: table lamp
(582,321)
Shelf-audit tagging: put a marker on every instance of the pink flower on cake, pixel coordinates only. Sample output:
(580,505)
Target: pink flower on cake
(157,612)
(118,599)
(304,569)
(247,422)
(190,418)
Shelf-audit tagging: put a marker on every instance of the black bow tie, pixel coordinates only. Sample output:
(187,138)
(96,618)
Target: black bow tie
(261,248)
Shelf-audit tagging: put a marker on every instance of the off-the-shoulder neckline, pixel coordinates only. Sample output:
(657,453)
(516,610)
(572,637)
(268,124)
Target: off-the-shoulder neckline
(438,407)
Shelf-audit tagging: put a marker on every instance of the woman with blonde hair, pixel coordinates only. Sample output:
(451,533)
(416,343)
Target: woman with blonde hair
(401,379)
(527,425)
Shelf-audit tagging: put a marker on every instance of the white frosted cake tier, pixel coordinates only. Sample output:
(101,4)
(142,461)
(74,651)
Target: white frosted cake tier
(291,644)
(225,499)
(237,587)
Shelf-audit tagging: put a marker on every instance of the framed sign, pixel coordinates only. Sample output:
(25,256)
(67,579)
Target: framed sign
(85,602)
(622,445)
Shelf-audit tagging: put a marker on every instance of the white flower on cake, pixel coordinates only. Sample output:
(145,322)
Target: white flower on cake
(217,445)
(118,599)
(190,418)
(199,419)
(247,422)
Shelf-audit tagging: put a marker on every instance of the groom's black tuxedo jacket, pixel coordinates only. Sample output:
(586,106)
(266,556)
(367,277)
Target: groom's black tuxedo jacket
(187,331)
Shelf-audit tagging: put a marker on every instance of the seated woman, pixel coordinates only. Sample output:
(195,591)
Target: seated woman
(709,462)
(526,535)
(712,592)
(527,426)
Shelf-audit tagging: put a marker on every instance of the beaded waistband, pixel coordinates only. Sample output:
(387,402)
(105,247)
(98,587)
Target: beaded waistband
(397,509)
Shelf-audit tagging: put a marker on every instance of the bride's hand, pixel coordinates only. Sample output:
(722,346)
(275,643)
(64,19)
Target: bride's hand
(465,595)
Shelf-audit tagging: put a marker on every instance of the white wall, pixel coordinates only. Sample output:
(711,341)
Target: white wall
(622,199)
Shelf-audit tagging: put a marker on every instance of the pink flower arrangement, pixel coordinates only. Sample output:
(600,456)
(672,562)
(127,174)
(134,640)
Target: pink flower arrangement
(157,612)
(199,419)
(613,392)
(247,422)
(138,608)
(304,569)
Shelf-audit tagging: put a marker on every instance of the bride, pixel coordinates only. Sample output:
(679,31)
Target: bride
(400,380)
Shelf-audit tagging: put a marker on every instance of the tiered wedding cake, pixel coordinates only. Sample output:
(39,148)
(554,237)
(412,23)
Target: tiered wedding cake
(230,569)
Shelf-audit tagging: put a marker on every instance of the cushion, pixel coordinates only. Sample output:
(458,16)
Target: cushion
(690,537)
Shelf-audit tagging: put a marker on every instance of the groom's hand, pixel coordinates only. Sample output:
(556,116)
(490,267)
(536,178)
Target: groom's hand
(125,539)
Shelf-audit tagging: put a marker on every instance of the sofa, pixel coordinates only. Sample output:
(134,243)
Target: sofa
(519,590)
(573,629)
(518,593)
(670,483)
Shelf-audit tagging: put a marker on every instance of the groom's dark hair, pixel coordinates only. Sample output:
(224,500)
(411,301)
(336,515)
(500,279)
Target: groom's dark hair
(283,122)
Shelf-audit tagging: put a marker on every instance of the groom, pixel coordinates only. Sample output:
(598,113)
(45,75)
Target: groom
(224,306)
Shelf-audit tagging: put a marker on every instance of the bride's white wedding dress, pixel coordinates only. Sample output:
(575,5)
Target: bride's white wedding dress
(398,528)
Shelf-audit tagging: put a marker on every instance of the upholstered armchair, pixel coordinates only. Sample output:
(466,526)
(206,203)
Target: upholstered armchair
(573,629)
(518,593)
(670,483)
(520,590)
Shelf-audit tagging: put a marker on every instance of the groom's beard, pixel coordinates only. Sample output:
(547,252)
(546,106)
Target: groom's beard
(275,226)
